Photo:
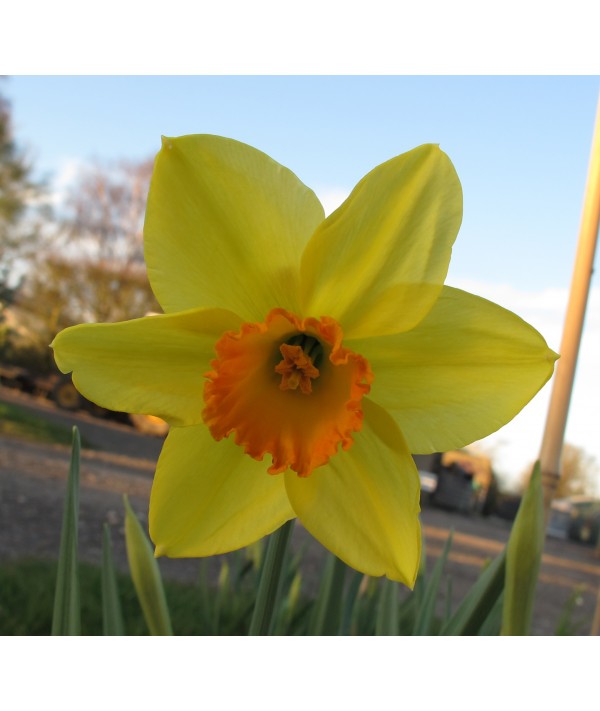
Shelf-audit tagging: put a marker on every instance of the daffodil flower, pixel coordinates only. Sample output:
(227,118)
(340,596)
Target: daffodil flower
(302,359)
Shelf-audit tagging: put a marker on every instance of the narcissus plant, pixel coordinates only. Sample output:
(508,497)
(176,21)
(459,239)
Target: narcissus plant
(302,359)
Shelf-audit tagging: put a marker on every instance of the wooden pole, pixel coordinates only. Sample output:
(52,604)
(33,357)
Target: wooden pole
(556,420)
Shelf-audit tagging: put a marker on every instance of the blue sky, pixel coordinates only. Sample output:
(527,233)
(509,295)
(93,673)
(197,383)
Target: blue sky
(520,146)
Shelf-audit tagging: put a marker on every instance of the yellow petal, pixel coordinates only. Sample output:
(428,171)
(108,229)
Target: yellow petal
(377,264)
(225,227)
(465,371)
(153,365)
(363,504)
(209,497)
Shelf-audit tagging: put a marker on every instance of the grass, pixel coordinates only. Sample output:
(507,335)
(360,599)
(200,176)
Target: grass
(15,421)
(27,595)
(27,599)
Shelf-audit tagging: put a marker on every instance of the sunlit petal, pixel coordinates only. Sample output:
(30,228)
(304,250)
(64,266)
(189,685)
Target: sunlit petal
(209,498)
(153,365)
(467,369)
(225,226)
(363,505)
(377,264)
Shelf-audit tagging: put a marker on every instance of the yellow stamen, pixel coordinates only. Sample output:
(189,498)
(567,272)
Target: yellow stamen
(296,369)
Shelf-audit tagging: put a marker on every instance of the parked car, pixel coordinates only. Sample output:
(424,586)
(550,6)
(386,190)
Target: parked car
(576,518)
(457,480)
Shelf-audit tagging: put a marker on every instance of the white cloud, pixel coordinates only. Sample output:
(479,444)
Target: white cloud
(66,175)
(332,198)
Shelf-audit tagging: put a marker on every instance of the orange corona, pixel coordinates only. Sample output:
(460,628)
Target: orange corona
(286,387)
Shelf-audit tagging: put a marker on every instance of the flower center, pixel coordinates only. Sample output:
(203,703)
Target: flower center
(298,367)
(258,386)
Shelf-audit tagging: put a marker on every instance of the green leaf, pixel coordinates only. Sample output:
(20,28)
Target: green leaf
(386,622)
(269,586)
(206,612)
(289,605)
(222,595)
(350,601)
(491,625)
(326,613)
(66,619)
(448,609)
(566,625)
(421,582)
(426,616)
(293,597)
(479,601)
(407,614)
(254,552)
(523,559)
(365,611)
(112,617)
(146,575)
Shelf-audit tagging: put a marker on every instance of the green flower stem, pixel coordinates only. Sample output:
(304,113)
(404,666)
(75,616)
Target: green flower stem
(386,622)
(326,615)
(523,559)
(66,619)
(270,580)
(112,616)
(145,575)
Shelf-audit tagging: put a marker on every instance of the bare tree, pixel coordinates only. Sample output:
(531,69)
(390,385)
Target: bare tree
(102,274)
(95,271)
(105,211)
(578,473)
(64,292)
